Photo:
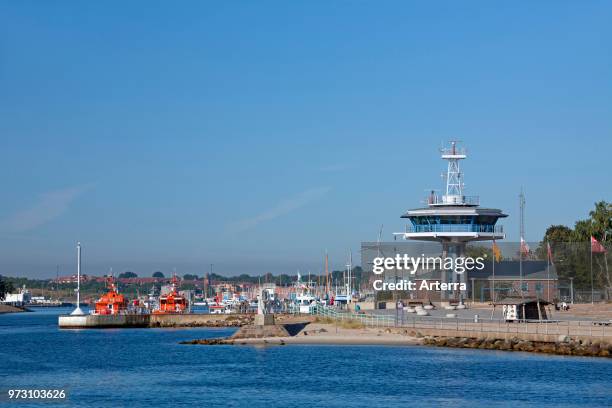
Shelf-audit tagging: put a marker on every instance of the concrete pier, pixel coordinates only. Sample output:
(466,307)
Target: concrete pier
(167,320)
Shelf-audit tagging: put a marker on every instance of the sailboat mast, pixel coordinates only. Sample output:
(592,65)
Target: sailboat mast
(327,288)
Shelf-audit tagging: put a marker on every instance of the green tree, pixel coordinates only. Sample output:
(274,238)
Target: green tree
(558,233)
(571,248)
(128,274)
(475,251)
(559,238)
(601,229)
(5,287)
(601,220)
(190,277)
(583,230)
(158,274)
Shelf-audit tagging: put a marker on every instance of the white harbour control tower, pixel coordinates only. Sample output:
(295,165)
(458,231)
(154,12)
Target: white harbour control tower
(453,219)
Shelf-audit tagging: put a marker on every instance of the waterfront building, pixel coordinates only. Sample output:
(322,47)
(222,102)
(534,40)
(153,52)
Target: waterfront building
(73,279)
(453,219)
(539,280)
(19,298)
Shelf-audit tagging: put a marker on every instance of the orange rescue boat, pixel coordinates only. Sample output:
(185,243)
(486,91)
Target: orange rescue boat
(171,302)
(112,302)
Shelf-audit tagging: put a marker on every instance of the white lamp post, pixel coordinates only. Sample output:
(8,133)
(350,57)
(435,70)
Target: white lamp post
(78,311)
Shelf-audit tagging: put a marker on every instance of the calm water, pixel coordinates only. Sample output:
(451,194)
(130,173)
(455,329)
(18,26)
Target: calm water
(147,367)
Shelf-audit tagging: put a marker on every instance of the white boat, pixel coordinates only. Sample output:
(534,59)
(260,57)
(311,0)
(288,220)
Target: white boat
(220,309)
(304,299)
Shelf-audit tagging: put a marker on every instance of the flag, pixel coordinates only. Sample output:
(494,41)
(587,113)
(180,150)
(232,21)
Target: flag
(549,251)
(497,255)
(524,247)
(596,246)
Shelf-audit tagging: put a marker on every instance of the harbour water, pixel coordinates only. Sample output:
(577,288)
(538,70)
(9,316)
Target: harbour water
(148,367)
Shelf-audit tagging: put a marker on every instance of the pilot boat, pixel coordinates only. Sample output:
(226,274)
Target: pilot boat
(112,302)
(172,302)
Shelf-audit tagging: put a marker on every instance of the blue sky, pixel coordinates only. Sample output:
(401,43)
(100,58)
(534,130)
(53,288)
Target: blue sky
(255,135)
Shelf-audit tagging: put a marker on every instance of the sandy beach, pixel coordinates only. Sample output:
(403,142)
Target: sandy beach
(352,333)
(320,333)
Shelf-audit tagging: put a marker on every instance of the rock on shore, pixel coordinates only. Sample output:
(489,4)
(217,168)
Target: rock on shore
(565,346)
(12,309)
(208,342)
(229,321)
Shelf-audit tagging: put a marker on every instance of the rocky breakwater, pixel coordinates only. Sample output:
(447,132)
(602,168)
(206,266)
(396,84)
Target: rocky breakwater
(209,342)
(231,321)
(200,320)
(245,333)
(564,346)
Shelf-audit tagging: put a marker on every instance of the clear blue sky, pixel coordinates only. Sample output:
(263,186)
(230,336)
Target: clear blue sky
(254,135)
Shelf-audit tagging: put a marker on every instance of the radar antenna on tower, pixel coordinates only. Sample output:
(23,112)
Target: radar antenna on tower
(454,178)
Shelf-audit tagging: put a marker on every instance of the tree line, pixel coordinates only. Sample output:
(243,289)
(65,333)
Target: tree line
(571,248)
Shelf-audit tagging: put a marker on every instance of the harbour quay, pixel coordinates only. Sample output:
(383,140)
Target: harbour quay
(92,321)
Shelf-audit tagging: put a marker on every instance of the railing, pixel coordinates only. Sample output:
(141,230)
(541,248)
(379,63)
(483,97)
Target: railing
(456,228)
(435,199)
(597,329)
(453,151)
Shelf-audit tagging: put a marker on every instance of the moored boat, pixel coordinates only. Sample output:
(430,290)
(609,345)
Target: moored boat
(112,302)
(171,302)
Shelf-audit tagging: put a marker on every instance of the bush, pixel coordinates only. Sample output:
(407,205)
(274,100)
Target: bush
(5,287)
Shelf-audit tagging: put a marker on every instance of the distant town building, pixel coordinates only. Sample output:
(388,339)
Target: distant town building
(72,279)
(19,298)
(142,281)
(540,281)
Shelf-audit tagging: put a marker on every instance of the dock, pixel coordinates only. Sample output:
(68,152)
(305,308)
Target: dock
(153,320)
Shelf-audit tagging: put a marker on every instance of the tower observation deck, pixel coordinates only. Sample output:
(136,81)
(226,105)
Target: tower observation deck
(453,219)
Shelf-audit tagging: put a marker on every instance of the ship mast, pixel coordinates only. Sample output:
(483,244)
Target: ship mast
(327,287)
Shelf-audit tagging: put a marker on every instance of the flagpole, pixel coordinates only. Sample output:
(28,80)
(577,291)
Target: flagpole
(592,287)
(606,296)
(493,260)
(521,268)
(522,235)
(548,271)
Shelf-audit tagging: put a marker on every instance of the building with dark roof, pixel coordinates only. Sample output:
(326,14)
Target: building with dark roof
(539,280)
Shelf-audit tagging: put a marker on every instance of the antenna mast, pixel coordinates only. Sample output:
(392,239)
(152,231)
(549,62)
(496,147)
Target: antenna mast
(522,236)
(454,177)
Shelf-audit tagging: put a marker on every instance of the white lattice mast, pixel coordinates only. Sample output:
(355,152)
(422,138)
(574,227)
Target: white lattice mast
(454,178)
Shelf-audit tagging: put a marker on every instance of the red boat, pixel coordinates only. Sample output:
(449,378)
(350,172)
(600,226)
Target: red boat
(171,302)
(112,302)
